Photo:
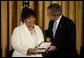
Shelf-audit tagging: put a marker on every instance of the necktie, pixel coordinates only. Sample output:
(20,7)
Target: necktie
(54,28)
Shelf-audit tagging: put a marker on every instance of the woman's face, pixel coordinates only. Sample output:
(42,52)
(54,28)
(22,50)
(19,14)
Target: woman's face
(30,21)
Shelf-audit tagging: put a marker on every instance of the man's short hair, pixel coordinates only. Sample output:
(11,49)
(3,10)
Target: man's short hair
(55,8)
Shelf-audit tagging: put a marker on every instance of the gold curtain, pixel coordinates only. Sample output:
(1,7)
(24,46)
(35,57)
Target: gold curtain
(11,17)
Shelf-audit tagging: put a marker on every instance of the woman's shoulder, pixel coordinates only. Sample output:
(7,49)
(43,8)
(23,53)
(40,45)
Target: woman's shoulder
(18,27)
(37,26)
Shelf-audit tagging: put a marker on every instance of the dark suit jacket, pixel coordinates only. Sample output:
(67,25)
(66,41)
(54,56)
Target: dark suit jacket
(65,37)
(82,52)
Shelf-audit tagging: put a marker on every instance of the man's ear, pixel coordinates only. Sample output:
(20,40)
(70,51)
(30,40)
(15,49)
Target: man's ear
(24,20)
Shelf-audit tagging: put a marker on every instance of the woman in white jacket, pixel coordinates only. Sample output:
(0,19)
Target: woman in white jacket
(27,37)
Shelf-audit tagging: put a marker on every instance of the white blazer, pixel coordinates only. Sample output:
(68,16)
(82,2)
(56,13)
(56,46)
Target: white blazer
(22,40)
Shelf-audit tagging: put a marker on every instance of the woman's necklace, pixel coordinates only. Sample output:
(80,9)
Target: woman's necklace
(30,28)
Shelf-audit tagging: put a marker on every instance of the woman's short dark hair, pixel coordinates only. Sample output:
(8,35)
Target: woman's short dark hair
(27,12)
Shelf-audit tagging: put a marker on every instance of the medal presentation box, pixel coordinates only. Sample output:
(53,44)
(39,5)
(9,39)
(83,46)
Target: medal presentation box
(43,46)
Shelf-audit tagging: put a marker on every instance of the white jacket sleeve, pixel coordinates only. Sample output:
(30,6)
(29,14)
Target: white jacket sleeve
(17,43)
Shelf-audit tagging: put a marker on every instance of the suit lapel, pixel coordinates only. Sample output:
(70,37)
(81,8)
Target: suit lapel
(27,36)
(51,26)
(60,26)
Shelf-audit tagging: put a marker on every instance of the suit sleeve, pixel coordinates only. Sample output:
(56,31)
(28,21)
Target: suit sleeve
(17,43)
(48,31)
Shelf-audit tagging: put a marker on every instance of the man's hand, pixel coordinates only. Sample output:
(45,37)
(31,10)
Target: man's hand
(51,48)
(32,51)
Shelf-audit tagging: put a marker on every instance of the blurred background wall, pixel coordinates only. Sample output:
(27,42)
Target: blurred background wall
(11,17)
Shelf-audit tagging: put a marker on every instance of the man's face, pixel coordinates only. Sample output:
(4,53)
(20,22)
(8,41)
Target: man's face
(30,21)
(52,16)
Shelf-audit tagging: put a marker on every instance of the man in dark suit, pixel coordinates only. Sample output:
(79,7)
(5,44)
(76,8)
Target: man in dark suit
(62,32)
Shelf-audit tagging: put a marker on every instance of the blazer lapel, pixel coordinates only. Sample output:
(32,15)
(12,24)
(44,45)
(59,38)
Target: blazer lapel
(59,28)
(51,26)
(27,36)
(39,34)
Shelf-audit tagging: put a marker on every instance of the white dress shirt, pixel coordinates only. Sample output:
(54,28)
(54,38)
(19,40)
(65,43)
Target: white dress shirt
(56,26)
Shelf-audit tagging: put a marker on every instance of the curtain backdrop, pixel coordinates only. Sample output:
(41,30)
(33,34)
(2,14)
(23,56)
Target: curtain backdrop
(11,17)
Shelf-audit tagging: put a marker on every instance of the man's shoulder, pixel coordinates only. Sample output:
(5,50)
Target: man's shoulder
(67,20)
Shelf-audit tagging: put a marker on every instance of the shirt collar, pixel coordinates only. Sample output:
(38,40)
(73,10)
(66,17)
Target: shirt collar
(58,19)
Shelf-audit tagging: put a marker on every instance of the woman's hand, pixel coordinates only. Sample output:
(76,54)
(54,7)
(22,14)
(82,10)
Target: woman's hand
(32,51)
